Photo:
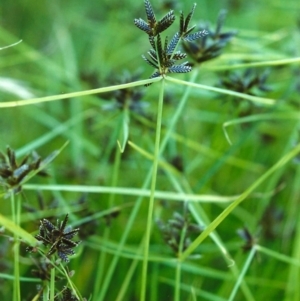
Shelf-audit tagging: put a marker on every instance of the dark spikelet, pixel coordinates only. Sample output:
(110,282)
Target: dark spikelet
(166,21)
(220,22)
(173,43)
(150,14)
(153,55)
(69,243)
(64,223)
(184,29)
(181,23)
(194,36)
(179,56)
(149,62)
(141,24)
(183,68)
(70,234)
(22,170)
(63,256)
(48,225)
(152,41)
(159,49)
(189,17)
(12,158)
(169,63)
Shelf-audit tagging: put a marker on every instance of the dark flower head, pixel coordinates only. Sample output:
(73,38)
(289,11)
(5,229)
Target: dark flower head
(177,231)
(68,295)
(248,238)
(185,31)
(13,174)
(164,58)
(58,238)
(131,98)
(212,45)
(246,81)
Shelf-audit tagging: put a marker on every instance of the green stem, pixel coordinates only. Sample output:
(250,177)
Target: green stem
(242,274)
(255,99)
(153,185)
(177,281)
(132,217)
(16,211)
(52,284)
(178,266)
(46,292)
(72,286)
(26,102)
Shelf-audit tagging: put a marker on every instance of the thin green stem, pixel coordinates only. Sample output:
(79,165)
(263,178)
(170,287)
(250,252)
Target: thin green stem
(242,274)
(110,270)
(26,102)
(153,185)
(16,211)
(72,286)
(178,266)
(255,99)
(46,293)
(140,192)
(11,45)
(52,284)
(13,207)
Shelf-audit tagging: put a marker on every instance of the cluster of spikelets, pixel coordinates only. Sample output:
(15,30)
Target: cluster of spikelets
(164,55)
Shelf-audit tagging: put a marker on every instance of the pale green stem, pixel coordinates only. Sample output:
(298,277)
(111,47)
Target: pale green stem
(177,281)
(26,102)
(153,185)
(46,293)
(73,288)
(52,284)
(110,271)
(242,274)
(178,266)
(255,99)
(16,210)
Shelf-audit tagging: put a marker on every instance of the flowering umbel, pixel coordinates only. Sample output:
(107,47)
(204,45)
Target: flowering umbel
(177,231)
(14,174)
(212,45)
(164,58)
(58,238)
